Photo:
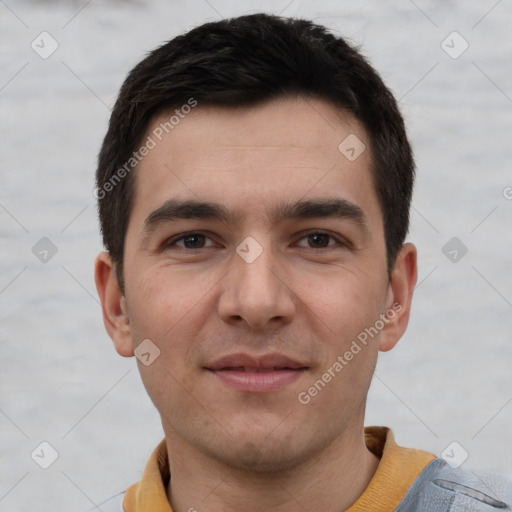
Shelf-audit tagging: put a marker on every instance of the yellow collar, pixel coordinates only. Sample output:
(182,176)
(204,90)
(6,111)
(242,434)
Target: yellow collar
(396,472)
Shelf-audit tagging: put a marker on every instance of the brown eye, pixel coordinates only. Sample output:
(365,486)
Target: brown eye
(319,240)
(195,241)
(189,241)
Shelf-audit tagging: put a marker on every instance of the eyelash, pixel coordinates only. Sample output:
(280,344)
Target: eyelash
(339,241)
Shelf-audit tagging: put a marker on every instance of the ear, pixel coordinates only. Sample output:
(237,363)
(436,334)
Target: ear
(400,291)
(113,304)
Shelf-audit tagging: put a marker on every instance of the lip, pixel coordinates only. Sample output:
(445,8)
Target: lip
(256,374)
(263,362)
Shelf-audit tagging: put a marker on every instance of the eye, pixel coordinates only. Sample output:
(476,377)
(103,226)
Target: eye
(190,241)
(321,240)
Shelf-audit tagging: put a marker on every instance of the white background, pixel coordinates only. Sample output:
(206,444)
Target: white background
(61,381)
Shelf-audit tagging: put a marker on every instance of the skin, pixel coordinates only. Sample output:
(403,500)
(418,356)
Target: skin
(305,297)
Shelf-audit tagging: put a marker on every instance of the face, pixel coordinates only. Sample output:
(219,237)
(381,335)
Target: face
(255,262)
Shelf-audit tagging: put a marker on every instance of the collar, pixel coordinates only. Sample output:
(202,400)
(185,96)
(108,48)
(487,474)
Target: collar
(398,469)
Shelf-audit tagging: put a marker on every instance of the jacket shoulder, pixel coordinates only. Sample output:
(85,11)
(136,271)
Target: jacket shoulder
(441,488)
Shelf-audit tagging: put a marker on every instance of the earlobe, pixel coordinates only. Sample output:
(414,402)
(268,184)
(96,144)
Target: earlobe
(400,292)
(113,304)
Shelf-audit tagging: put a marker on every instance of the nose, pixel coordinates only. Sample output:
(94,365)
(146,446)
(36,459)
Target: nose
(256,293)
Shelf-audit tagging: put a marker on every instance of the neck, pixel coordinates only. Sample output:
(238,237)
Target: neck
(331,481)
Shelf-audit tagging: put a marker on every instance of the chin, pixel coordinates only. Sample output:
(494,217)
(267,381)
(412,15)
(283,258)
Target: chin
(265,456)
(251,458)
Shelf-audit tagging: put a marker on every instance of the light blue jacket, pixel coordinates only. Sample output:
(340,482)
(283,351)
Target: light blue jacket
(440,488)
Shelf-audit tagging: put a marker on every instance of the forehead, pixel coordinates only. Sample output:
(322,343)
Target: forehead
(250,157)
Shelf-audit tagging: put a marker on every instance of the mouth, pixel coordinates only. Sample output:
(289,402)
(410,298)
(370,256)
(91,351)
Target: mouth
(248,369)
(256,374)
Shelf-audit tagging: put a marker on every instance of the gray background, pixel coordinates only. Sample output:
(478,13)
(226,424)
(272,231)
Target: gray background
(61,381)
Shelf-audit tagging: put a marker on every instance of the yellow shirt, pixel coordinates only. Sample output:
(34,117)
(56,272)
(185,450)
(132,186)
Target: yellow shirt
(397,470)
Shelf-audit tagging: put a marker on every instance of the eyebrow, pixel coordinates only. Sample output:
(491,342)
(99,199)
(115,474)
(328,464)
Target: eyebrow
(321,208)
(175,209)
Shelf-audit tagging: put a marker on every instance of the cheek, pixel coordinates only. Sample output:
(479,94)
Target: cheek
(171,308)
(161,299)
(167,310)
(344,301)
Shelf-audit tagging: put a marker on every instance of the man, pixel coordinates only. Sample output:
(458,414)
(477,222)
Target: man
(254,190)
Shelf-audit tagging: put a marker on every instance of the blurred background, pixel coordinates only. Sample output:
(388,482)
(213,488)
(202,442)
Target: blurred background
(447,386)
